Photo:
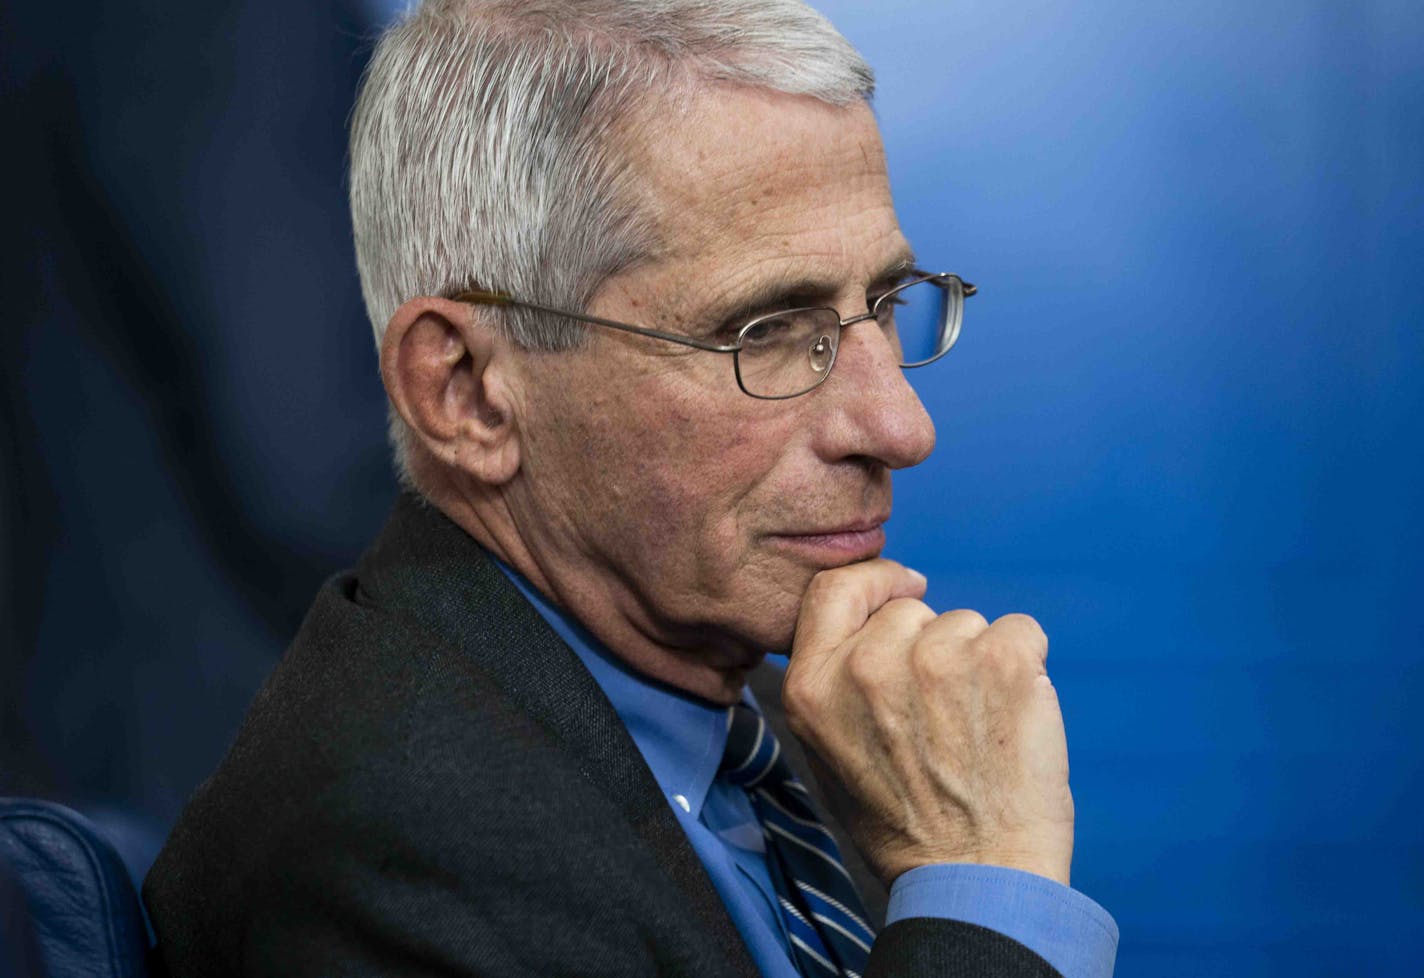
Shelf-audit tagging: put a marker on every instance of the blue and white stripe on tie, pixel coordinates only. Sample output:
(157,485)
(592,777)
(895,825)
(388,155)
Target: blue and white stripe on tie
(825,920)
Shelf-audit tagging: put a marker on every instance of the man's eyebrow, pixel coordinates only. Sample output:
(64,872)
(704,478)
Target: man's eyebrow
(766,295)
(902,265)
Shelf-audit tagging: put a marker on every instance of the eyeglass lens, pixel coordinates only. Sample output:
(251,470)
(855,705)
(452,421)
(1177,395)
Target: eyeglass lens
(914,319)
(790,353)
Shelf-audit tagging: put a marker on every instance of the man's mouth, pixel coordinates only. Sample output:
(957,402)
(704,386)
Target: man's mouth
(837,545)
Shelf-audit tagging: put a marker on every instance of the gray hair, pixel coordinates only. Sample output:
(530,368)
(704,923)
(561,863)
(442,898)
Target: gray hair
(485,142)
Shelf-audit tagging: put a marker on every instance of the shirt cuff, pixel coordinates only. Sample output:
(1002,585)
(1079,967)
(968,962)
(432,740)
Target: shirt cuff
(1062,926)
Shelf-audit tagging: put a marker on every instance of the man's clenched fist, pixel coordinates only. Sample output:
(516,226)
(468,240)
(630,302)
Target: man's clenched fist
(937,737)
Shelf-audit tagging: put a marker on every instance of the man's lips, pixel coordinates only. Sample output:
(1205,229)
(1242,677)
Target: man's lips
(860,540)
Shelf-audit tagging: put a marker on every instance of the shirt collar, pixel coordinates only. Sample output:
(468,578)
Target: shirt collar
(680,737)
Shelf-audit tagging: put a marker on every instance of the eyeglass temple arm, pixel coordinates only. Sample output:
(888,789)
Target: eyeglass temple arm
(481,297)
(966,289)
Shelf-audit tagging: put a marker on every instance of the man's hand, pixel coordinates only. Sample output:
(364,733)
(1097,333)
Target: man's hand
(937,737)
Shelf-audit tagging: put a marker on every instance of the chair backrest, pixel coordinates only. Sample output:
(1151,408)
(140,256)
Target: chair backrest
(80,904)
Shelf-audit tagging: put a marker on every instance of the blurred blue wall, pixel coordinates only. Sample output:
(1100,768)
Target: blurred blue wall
(1183,426)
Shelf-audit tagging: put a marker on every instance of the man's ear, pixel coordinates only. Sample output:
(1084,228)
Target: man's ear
(448,375)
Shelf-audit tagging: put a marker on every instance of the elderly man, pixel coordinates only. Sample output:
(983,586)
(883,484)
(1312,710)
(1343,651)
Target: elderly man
(642,306)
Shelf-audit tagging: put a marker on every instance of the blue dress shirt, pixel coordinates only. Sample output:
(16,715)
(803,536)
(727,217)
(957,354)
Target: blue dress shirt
(681,739)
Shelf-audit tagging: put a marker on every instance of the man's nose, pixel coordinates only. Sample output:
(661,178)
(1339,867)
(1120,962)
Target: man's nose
(878,415)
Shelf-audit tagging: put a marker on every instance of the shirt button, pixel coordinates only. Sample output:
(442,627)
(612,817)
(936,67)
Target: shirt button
(682,802)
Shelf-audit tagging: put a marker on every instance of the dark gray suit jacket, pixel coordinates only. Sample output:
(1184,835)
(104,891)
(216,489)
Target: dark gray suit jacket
(430,783)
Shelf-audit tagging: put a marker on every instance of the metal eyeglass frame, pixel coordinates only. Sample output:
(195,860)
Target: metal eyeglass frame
(485,297)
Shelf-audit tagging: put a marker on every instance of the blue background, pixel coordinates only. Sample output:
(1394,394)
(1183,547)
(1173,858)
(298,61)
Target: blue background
(1183,427)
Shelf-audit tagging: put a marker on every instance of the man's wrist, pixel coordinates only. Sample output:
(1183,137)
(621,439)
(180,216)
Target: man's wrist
(1051,866)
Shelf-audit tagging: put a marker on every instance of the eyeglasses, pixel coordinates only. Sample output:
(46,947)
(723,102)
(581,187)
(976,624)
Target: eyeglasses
(791,351)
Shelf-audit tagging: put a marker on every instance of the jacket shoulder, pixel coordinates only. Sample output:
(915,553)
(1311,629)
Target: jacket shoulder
(384,797)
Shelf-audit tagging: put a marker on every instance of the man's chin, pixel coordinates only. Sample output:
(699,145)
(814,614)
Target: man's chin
(718,681)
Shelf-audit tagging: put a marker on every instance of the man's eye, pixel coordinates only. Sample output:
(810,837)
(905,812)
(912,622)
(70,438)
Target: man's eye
(766,332)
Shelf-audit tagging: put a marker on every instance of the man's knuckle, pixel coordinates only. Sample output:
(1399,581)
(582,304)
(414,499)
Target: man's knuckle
(933,663)
(867,672)
(965,618)
(828,586)
(910,609)
(798,698)
(1026,627)
(1005,662)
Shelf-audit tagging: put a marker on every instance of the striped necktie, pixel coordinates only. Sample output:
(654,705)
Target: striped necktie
(823,914)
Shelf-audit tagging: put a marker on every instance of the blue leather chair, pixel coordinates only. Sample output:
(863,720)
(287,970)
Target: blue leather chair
(69,907)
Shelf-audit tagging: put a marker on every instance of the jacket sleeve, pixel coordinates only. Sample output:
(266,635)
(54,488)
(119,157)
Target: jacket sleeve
(925,946)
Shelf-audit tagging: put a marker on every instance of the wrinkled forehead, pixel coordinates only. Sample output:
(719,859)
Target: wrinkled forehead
(743,183)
